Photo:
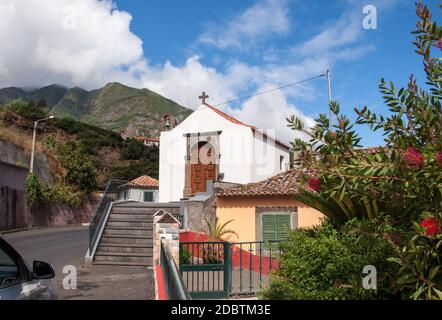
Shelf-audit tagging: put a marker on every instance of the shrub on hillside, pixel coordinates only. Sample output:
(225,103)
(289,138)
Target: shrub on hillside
(30,110)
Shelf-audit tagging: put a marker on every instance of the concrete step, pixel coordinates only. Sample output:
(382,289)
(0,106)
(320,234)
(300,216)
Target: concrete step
(130,223)
(123,254)
(127,216)
(147,211)
(114,259)
(130,231)
(108,248)
(136,204)
(127,239)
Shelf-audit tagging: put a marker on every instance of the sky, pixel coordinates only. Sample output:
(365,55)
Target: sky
(229,49)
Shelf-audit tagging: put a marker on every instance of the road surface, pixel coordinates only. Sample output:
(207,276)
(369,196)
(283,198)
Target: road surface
(59,246)
(68,246)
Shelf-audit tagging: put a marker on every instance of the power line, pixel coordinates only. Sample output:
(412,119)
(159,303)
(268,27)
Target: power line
(271,90)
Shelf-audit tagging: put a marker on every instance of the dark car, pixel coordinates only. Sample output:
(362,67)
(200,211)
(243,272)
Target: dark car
(19,281)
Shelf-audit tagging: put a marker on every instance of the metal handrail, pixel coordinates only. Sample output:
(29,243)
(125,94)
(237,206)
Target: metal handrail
(175,287)
(110,195)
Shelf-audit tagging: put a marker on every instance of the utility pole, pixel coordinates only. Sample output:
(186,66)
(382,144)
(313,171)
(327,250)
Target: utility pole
(329,96)
(34,135)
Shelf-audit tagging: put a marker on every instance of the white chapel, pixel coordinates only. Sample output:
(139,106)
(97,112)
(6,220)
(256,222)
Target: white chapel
(210,145)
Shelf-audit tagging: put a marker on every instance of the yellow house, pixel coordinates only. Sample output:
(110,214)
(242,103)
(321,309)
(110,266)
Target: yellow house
(266,210)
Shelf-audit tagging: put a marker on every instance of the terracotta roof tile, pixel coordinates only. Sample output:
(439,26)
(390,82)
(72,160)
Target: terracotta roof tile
(231,119)
(144,181)
(284,183)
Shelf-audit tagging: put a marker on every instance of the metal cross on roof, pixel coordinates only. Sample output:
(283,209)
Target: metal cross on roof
(203,97)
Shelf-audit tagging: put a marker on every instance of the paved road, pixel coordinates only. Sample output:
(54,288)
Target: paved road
(68,246)
(59,246)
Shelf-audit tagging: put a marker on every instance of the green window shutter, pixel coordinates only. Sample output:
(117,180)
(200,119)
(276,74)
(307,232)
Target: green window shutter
(268,227)
(148,196)
(283,226)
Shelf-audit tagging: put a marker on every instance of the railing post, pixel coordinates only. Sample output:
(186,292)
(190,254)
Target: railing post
(227,269)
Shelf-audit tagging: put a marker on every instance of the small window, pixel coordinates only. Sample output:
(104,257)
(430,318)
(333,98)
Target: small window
(281,162)
(148,196)
(125,195)
(275,227)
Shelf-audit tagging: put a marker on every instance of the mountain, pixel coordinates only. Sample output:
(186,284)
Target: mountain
(52,94)
(111,156)
(113,107)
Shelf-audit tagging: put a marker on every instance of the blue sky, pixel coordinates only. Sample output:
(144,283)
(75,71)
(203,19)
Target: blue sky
(355,81)
(229,49)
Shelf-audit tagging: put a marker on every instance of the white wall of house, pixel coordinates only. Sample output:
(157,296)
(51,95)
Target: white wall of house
(245,156)
(136,194)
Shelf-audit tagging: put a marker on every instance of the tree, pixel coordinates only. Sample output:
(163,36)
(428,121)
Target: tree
(403,177)
(29,110)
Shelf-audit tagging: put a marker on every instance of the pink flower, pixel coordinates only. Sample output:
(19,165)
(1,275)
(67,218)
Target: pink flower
(439,43)
(439,158)
(431,226)
(314,184)
(413,158)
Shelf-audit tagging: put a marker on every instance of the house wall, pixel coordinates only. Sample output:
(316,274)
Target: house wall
(137,195)
(243,212)
(242,157)
(13,209)
(267,155)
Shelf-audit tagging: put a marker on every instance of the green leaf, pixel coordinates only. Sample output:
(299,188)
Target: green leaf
(433,272)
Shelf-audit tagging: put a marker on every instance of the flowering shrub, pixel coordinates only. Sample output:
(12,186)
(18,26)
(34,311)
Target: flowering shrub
(413,158)
(431,226)
(327,263)
(439,158)
(402,179)
(314,184)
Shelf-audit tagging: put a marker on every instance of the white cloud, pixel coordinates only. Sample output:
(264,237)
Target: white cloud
(263,19)
(269,112)
(74,42)
(185,83)
(101,48)
(346,30)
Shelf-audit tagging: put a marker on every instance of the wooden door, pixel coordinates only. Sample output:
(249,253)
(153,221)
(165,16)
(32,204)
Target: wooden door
(197,178)
(202,172)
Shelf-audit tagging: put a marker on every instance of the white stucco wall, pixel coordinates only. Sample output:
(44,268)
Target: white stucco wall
(134,194)
(267,156)
(244,158)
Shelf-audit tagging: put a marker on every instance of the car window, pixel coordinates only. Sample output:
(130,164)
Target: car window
(9,273)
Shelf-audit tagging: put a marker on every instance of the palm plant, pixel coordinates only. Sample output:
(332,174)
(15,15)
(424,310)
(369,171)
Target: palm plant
(340,210)
(217,231)
(213,253)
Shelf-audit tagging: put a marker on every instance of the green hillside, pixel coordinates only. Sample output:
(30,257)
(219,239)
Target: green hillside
(52,94)
(113,107)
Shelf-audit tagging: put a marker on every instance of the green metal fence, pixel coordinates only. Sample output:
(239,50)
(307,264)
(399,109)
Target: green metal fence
(222,269)
(175,288)
(205,267)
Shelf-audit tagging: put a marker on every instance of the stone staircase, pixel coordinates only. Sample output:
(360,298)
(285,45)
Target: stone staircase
(127,238)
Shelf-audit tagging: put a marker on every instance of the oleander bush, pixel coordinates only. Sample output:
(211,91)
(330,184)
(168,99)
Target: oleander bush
(401,180)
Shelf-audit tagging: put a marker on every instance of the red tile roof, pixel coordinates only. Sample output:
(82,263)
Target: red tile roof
(236,121)
(144,181)
(231,119)
(283,184)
